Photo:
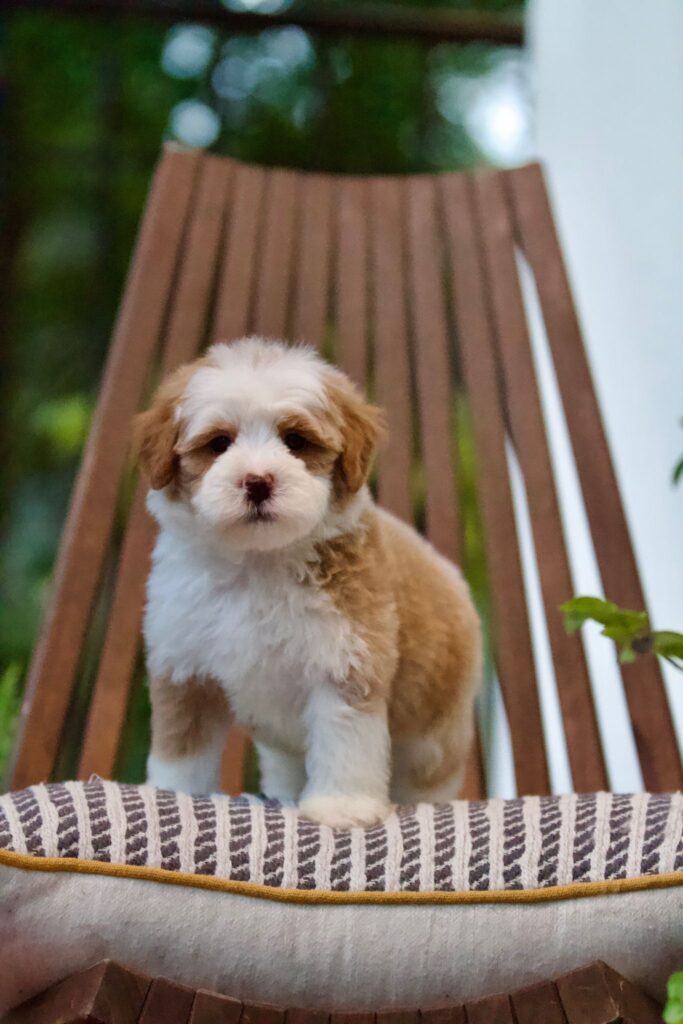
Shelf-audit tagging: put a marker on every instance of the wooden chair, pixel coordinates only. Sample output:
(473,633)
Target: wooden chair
(412,284)
(110,994)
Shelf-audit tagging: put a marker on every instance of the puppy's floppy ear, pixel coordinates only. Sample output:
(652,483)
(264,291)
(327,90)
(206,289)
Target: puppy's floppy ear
(362,427)
(155,432)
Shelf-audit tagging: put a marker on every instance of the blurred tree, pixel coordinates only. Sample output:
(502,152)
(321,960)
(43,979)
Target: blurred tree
(86,102)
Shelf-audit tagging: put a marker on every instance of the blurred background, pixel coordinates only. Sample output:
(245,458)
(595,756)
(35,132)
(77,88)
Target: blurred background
(89,92)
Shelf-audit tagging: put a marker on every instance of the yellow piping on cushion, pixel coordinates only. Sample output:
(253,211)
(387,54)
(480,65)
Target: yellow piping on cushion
(579,890)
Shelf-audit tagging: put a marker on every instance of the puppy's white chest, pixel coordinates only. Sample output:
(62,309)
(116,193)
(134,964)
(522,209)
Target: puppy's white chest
(256,628)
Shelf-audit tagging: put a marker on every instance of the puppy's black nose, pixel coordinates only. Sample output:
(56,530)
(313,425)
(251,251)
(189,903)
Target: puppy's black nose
(258,488)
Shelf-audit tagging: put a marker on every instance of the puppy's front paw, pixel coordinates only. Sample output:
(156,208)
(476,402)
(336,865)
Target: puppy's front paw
(344,811)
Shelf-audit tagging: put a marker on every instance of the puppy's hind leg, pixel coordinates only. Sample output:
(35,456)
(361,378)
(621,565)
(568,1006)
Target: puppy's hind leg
(189,725)
(431,768)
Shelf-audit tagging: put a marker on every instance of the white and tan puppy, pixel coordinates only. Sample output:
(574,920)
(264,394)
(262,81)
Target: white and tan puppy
(282,595)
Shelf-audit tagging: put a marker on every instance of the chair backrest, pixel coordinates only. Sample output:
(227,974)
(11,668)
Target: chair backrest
(413,286)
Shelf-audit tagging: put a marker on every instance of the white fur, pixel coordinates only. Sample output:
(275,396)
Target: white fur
(197,774)
(347,761)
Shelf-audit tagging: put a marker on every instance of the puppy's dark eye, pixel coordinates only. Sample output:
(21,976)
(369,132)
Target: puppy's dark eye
(220,443)
(295,442)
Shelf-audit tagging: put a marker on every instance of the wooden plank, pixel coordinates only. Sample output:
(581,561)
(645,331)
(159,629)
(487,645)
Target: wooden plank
(598,995)
(184,336)
(538,1003)
(91,514)
(260,1013)
(494,1010)
(307,1017)
(273,279)
(314,257)
(352,271)
(389,23)
(103,994)
(239,271)
(211,1008)
(390,336)
(650,714)
(529,436)
(429,323)
(397,1017)
(234,760)
(511,625)
(444,1015)
(167,1003)
(474,781)
(352,1018)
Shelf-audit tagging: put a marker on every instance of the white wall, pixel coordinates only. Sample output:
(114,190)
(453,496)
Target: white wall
(608,79)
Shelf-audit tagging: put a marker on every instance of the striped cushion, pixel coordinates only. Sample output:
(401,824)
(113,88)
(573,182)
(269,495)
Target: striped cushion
(477,847)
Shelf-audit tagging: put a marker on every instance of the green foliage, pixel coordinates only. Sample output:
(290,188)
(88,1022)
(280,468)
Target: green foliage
(9,711)
(673,1011)
(630,631)
(64,423)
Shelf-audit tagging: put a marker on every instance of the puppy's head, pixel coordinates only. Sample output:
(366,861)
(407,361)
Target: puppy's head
(260,442)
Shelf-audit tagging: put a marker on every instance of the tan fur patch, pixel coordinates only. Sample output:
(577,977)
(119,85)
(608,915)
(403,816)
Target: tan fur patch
(155,431)
(186,716)
(423,638)
(362,427)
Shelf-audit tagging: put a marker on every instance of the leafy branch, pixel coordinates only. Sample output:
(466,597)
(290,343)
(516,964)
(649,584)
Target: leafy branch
(631,631)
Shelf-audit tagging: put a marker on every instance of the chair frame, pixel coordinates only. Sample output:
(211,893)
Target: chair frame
(418,278)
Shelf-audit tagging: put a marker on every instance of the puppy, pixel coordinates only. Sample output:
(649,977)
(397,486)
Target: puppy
(281,595)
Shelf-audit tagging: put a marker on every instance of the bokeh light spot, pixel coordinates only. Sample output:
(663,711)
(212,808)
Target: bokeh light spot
(195,123)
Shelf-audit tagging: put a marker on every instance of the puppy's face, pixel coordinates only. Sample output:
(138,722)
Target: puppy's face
(260,441)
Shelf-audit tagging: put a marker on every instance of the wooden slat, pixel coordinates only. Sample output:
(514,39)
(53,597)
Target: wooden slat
(511,624)
(211,1008)
(598,995)
(234,760)
(390,336)
(474,781)
(444,1015)
(352,1018)
(429,322)
(184,336)
(397,1017)
(260,1013)
(529,436)
(650,714)
(273,276)
(167,1003)
(93,504)
(103,994)
(495,1010)
(351,307)
(314,255)
(538,1003)
(307,1017)
(430,338)
(239,271)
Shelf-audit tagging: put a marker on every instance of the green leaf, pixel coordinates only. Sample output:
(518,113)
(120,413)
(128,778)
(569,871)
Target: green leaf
(673,1011)
(677,474)
(667,643)
(580,609)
